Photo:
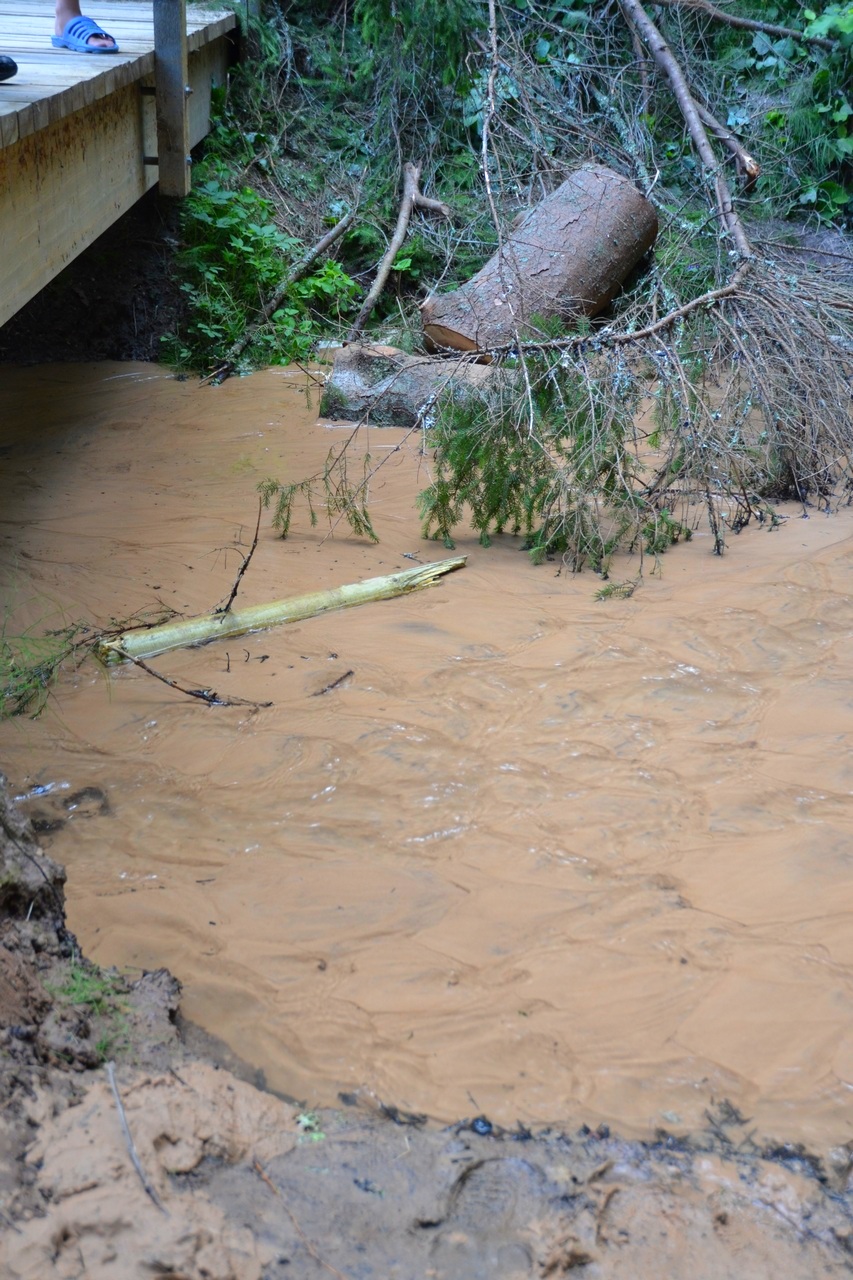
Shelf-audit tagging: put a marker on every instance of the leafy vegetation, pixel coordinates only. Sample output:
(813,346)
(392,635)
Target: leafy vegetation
(29,664)
(234,255)
(792,98)
(744,397)
(333,99)
(548,482)
(100,994)
(91,988)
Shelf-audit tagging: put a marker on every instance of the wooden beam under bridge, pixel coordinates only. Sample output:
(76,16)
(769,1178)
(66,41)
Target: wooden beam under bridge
(76,128)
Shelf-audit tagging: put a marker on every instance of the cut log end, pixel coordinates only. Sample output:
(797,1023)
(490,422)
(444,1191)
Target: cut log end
(567,258)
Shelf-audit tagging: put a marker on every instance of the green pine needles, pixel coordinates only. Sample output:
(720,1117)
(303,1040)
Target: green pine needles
(556,463)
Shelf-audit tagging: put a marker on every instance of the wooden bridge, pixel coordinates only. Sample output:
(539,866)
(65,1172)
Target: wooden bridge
(84,136)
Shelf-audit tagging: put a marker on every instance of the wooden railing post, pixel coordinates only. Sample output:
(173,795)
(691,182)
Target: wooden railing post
(171,81)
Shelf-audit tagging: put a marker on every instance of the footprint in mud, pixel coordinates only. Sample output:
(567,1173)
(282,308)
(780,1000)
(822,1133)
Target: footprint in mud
(486,1229)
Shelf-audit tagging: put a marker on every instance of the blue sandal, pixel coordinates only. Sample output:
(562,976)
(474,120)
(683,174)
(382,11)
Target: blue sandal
(77,34)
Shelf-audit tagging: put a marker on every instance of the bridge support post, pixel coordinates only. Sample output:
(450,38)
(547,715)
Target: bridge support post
(172,83)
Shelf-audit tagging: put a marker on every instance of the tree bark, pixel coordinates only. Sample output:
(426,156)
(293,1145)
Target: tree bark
(388,388)
(568,258)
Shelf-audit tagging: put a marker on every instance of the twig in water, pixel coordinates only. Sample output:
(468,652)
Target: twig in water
(128,1138)
(210,696)
(244,566)
(333,685)
(264,1176)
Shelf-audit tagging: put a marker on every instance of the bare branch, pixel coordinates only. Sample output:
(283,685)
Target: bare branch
(246,561)
(747,24)
(208,696)
(666,60)
(129,1143)
(411,178)
(434,206)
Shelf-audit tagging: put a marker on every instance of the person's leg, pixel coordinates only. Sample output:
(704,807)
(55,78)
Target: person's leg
(68,9)
(8,67)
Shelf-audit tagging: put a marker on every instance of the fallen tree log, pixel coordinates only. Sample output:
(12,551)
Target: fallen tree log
(568,257)
(389,388)
(147,642)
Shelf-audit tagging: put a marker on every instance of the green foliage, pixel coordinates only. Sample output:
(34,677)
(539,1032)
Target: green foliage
(394,27)
(234,256)
(617,590)
(794,97)
(88,987)
(331,488)
(661,531)
(554,466)
(29,665)
(341,95)
(310,1127)
(100,993)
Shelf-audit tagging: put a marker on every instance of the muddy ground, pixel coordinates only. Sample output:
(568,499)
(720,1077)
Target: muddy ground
(235,1183)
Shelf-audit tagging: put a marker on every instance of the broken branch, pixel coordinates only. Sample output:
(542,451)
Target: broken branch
(128,1138)
(746,164)
(147,643)
(669,64)
(747,24)
(435,206)
(411,179)
(208,696)
(246,561)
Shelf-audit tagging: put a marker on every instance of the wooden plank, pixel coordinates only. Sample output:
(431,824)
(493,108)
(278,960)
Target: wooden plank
(74,129)
(171,75)
(63,185)
(81,78)
(32,101)
(32,25)
(208,70)
(100,9)
(8,129)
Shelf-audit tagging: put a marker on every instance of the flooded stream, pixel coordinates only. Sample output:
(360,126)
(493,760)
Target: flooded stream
(539,856)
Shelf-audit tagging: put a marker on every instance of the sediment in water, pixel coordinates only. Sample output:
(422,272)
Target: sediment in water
(250,1187)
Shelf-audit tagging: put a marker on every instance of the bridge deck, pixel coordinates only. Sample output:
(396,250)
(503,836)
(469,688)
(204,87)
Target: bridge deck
(76,129)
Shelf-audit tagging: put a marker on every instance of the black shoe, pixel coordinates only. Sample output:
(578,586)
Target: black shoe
(8,68)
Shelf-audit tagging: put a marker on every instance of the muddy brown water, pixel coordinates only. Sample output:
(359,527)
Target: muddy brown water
(539,856)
